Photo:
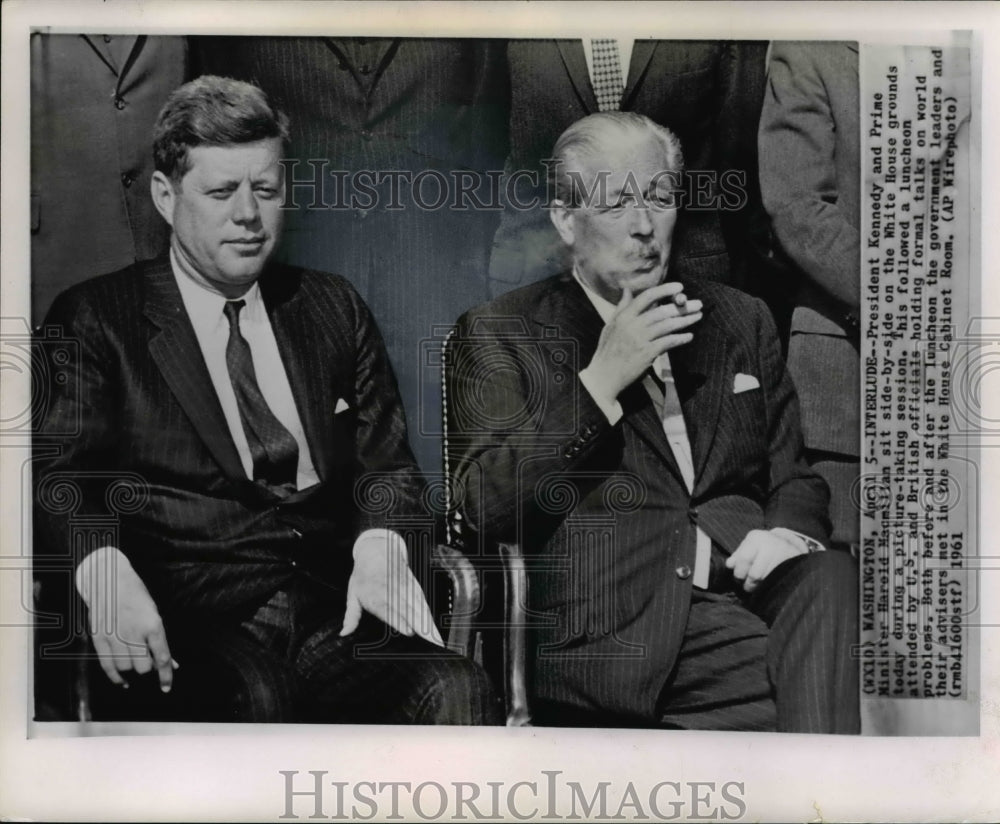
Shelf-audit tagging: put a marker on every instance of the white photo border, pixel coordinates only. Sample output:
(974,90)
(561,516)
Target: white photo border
(225,772)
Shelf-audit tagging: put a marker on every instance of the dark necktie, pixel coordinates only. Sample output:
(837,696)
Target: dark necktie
(275,452)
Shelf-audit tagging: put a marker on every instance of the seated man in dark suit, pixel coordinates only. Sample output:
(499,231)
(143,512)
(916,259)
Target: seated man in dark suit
(640,438)
(249,413)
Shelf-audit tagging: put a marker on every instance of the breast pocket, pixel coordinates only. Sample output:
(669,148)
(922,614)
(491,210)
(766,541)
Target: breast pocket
(344,426)
(745,417)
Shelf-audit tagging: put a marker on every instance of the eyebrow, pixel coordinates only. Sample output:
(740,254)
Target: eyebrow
(264,177)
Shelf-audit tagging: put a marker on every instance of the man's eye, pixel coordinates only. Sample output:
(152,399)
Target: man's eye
(219,194)
(663,201)
(611,210)
(266,192)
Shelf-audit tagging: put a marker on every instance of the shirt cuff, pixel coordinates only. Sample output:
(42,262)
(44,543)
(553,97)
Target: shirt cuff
(804,541)
(612,410)
(380,539)
(104,555)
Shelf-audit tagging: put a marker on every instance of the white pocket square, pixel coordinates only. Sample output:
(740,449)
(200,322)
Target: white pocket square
(744,383)
(340,407)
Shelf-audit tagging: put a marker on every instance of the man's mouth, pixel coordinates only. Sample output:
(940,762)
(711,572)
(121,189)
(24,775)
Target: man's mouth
(248,244)
(648,262)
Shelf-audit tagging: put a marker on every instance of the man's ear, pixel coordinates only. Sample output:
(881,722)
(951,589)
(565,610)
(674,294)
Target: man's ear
(563,219)
(163,194)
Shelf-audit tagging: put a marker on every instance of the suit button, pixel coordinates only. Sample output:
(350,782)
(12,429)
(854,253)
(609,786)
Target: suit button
(295,563)
(366,69)
(128,179)
(107,38)
(694,513)
(683,572)
(119,103)
(366,134)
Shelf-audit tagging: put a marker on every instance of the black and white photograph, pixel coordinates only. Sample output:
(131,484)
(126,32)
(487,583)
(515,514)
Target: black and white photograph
(497,412)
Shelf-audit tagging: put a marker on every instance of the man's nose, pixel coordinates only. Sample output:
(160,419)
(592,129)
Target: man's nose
(245,208)
(640,221)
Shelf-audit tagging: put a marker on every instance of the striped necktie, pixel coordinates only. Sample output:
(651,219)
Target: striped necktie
(275,452)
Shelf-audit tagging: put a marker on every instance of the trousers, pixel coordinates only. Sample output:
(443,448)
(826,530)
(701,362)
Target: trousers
(286,662)
(780,659)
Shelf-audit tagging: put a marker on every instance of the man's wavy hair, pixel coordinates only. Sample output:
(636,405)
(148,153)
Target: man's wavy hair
(212,111)
(590,137)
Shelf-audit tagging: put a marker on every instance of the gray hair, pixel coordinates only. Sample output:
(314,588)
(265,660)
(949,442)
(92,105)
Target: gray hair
(590,137)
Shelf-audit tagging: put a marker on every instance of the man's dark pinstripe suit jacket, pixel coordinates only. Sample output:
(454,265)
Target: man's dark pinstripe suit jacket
(137,402)
(602,511)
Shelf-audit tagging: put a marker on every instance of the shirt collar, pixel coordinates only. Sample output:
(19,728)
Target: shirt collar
(204,306)
(604,307)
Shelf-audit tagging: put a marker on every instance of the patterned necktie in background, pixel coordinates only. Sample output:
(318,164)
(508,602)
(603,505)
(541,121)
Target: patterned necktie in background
(607,79)
(275,452)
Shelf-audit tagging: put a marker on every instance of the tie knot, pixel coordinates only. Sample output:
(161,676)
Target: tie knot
(660,369)
(232,311)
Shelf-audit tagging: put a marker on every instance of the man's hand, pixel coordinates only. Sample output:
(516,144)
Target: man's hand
(759,553)
(382,584)
(641,330)
(124,622)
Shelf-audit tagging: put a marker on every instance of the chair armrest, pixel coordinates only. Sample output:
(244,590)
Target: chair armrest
(515,635)
(465,602)
(62,649)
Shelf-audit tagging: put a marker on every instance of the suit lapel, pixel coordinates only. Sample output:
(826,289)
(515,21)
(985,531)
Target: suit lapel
(576,316)
(642,53)
(699,372)
(576,64)
(311,388)
(641,415)
(382,52)
(119,55)
(131,49)
(175,350)
(102,51)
